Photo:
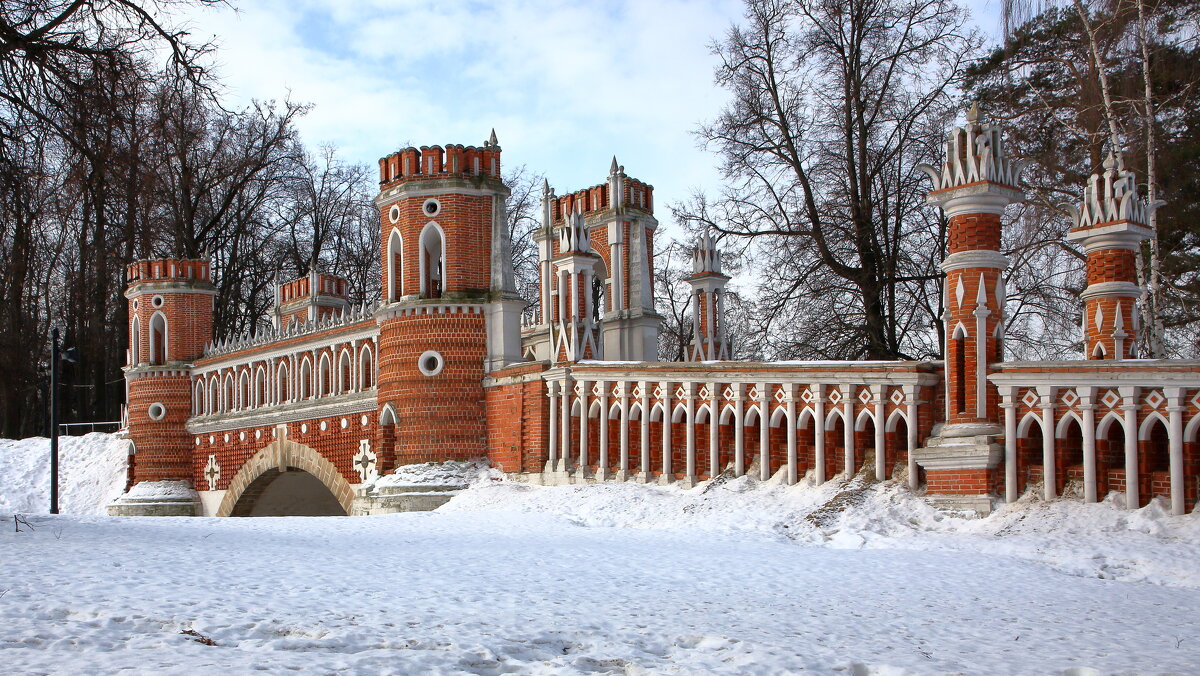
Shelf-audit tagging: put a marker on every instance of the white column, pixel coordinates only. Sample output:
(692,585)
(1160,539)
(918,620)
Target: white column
(552,461)
(910,400)
(819,432)
(583,470)
(1175,409)
(848,419)
(1129,397)
(877,393)
(690,433)
(714,429)
(625,431)
(739,433)
(602,473)
(764,432)
(1009,404)
(564,403)
(790,412)
(644,462)
(1048,468)
(667,476)
(1086,395)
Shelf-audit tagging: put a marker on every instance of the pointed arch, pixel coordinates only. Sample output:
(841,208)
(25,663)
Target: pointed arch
(344,378)
(702,414)
(198,398)
(214,394)
(656,412)
(1148,424)
(960,331)
(576,406)
(306,378)
(135,342)
(432,260)
(594,409)
(260,386)
(388,415)
(753,415)
(1099,352)
(832,418)
(1060,429)
(614,411)
(159,339)
(635,411)
(679,414)
(778,415)
(897,414)
(859,424)
(243,389)
(1026,422)
(395,266)
(805,418)
(284,383)
(1106,423)
(228,395)
(366,367)
(1189,432)
(727,415)
(325,376)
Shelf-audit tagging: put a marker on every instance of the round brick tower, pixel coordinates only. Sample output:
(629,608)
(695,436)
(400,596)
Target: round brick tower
(973,187)
(1110,225)
(449,311)
(171,315)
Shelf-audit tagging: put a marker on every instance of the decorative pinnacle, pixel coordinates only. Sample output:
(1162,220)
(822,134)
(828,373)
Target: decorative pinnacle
(973,113)
(546,186)
(613,168)
(492,140)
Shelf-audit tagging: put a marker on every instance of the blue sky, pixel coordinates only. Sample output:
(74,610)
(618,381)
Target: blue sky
(565,85)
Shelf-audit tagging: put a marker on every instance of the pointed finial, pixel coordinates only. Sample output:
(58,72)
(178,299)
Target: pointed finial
(973,113)
(545,186)
(613,169)
(492,139)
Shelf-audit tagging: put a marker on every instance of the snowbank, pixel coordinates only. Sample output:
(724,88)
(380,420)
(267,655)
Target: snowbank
(1101,540)
(92,471)
(450,473)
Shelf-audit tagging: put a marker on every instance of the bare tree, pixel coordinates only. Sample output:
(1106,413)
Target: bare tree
(834,104)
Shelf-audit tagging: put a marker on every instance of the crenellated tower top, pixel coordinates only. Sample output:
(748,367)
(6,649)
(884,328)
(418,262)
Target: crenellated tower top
(434,162)
(977,174)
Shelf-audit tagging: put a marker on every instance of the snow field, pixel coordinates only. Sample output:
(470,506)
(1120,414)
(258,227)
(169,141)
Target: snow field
(735,576)
(91,473)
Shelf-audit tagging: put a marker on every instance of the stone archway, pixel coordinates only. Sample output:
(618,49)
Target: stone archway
(276,458)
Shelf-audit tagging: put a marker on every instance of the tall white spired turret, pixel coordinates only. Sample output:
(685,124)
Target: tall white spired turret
(576,333)
(1110,225)
(709,341)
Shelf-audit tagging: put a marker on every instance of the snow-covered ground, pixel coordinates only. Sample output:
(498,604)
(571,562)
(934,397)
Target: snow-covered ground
(735,576)
(91,473)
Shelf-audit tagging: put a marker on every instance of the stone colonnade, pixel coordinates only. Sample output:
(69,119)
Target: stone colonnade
(689,424)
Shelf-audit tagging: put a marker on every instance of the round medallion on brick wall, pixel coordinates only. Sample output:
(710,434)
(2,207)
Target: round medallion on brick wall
(431,207)
(394,213)
(304,428)
(345,423)
(365,420)
(226,437)
(157,301)
(324,425)
(135,303)
(157,411)
(242,436)
(431,362)
(258,434)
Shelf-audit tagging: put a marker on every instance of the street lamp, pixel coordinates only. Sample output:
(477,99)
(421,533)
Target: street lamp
(69,355)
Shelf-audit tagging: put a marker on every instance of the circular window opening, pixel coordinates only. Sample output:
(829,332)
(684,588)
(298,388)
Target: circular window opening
(135,304)
(431,207)
(157,411)
(431,363)
(157,301)
(394,213)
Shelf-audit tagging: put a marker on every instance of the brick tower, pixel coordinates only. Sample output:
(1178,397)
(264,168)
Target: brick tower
(449,312)
(171,318)
(976,182)
(708,302)
(1110,225)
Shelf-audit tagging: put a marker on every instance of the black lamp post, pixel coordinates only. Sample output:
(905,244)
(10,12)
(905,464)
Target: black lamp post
(70,355)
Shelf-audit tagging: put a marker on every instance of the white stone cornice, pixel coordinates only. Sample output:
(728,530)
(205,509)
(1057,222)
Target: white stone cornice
(978,258)
(1111,290)
(309,409)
